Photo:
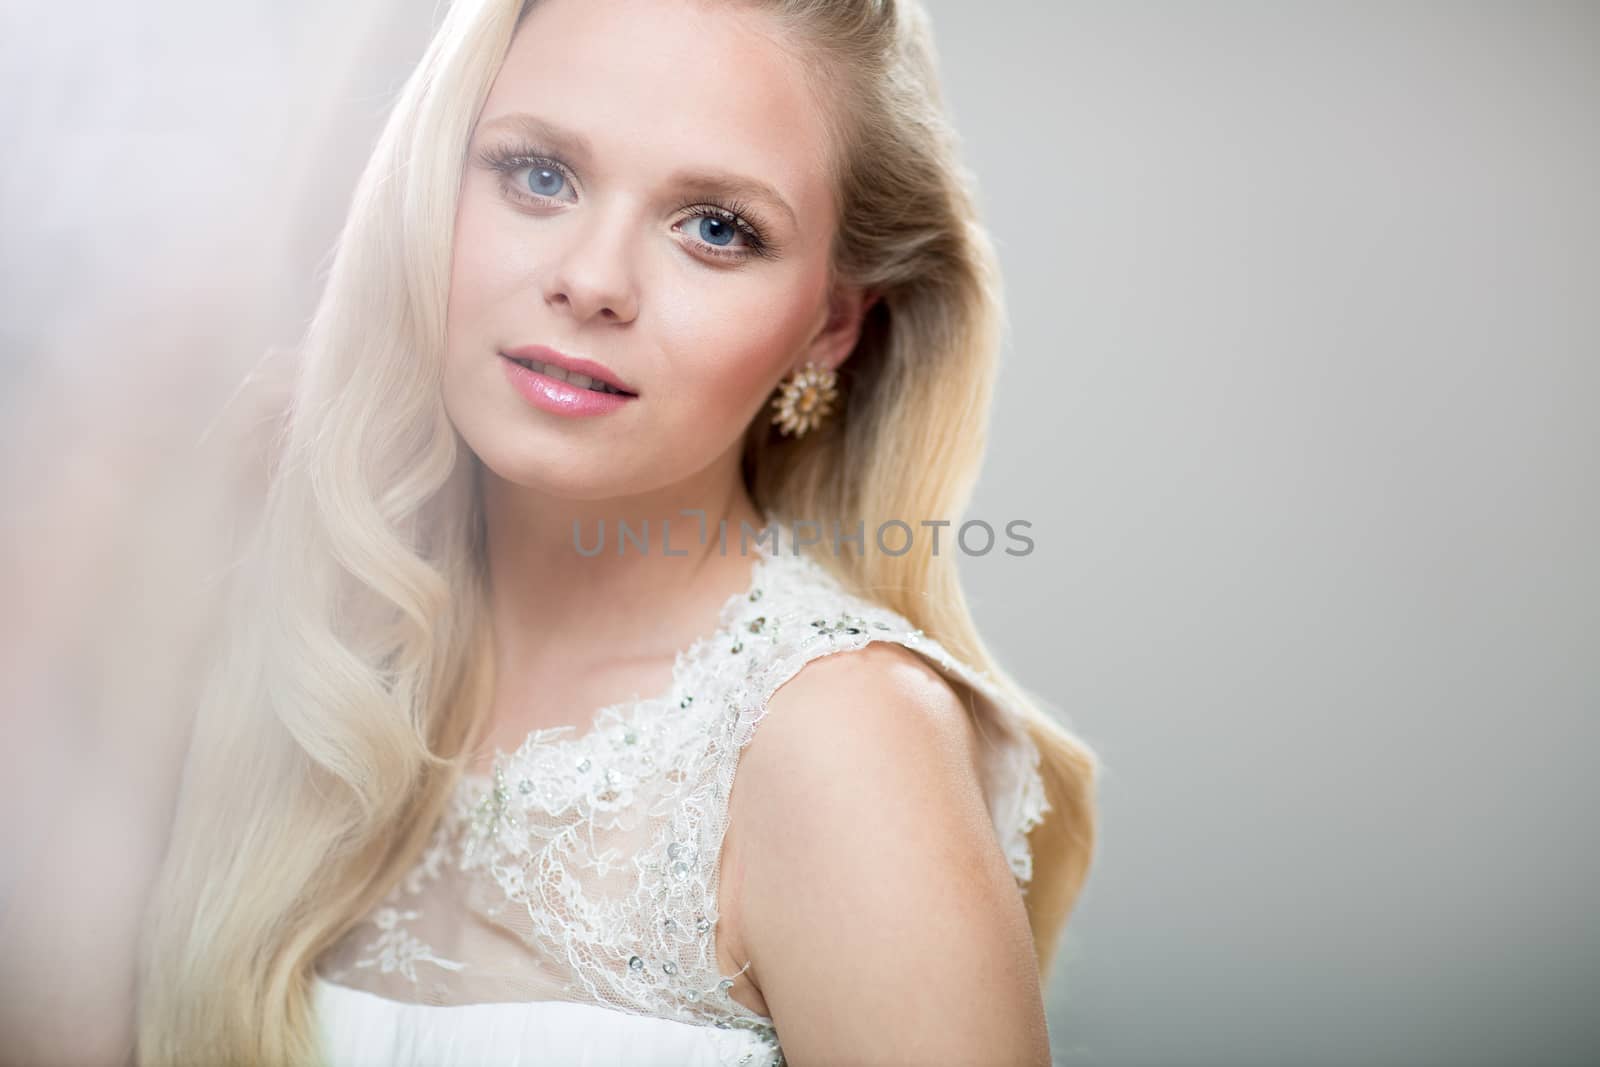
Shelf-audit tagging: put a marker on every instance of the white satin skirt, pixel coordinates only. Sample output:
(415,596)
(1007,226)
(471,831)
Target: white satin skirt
(361,1029)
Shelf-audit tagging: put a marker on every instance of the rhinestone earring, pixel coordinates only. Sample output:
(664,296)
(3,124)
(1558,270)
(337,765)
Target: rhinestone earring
(805,399)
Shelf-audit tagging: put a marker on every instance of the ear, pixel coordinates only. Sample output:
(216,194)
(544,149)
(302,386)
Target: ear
(836,338)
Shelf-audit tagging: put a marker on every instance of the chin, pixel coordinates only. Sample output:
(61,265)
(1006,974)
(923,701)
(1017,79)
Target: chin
(554,477)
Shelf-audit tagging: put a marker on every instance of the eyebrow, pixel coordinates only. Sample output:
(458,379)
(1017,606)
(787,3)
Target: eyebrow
(698,180)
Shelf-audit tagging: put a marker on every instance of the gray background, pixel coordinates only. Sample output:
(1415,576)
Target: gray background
(1297,396)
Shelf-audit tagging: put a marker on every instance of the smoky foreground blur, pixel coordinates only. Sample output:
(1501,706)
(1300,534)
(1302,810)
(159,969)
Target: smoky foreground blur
(171,190)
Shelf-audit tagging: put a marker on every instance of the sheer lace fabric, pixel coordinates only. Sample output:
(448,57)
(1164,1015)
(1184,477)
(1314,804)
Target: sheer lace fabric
(583,870)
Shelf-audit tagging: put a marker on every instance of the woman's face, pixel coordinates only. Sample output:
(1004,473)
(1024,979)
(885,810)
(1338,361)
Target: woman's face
(646,188)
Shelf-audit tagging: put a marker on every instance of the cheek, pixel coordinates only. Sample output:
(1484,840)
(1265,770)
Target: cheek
(724,351)
(484,266)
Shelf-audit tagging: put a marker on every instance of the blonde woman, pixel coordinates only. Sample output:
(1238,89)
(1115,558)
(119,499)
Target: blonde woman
(585,699)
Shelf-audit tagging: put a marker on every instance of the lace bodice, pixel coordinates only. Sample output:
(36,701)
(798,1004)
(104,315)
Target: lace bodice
(585,867)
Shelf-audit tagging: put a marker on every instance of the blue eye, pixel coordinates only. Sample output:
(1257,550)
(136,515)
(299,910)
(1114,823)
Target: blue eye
(716,232)
(530,172)
(544,181)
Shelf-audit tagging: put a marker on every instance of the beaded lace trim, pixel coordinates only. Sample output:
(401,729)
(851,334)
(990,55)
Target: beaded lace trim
(603,848)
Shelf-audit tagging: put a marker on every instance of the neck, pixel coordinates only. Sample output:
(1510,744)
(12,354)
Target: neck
(551,602)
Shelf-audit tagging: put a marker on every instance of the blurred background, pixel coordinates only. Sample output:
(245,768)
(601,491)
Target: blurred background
(1299,397)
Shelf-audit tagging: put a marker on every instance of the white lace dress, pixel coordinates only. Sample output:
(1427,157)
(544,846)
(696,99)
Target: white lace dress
(565,911)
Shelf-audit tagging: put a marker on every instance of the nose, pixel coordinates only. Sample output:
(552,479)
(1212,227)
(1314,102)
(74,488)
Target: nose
(592,275)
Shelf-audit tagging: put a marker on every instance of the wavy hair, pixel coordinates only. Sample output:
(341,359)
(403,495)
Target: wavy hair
(355,670)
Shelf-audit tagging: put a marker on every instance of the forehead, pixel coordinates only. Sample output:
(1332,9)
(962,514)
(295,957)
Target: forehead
(655,86)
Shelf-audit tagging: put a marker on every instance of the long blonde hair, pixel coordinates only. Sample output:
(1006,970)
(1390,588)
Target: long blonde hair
(355,672)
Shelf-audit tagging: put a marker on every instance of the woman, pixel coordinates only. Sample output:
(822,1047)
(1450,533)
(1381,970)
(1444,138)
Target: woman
(686,270)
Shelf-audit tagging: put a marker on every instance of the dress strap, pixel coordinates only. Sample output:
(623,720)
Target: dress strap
(798,612)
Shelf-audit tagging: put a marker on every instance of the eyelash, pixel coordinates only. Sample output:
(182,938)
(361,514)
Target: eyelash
(506,161)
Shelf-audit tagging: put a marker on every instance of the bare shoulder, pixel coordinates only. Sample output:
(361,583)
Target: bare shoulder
(881,919)
(825,704)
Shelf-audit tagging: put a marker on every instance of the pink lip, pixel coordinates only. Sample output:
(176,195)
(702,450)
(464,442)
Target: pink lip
(570,364)
(557,396)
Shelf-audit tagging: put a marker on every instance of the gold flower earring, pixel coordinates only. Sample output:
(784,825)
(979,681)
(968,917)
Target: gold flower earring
(805,399)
